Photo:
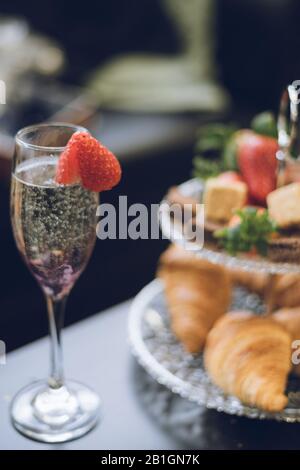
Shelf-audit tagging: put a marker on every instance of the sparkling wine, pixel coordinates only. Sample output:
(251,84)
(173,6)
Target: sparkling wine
(54,225)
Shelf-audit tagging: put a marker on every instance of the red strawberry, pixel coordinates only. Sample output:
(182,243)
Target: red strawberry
(230,177)
(257,162)
(97,167)
(67,171)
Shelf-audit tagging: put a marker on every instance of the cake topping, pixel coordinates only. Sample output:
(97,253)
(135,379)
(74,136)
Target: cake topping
(249,231)
(247,152)
(222,197)
(284,205)
(88,161)
(257,163)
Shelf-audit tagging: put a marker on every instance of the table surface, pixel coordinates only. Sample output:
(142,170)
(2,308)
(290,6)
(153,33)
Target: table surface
(97,353)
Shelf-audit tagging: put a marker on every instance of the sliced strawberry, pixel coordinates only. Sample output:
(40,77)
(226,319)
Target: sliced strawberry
(67,170)
(90,161)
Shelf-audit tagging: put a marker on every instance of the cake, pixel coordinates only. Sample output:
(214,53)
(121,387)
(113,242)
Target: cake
(222,198)
(284,205)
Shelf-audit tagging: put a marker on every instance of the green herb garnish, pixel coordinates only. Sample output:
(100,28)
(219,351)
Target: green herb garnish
(212,138)
(253,231)
(209,149)
(205,168)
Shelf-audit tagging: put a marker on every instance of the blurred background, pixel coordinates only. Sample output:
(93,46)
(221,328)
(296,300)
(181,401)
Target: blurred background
(142,75)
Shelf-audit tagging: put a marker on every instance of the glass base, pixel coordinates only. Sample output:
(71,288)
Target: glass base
(50,415)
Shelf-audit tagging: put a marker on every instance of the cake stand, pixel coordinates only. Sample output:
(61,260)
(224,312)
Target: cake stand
(164,358)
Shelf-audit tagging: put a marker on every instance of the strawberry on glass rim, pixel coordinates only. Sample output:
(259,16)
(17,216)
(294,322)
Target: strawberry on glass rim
(87,161)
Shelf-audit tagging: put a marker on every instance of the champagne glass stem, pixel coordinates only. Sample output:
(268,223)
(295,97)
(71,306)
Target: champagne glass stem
(56,309)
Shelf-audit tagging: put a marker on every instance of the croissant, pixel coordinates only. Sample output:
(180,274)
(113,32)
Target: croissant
(197,293)
(249,357)
(254,281)
(286,291)
(290,319)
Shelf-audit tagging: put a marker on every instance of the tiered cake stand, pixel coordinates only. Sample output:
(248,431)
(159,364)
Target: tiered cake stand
(163,357)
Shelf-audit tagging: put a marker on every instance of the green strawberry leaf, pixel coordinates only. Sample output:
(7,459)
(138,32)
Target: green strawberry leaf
(265,124)
(229,154)
(209,149)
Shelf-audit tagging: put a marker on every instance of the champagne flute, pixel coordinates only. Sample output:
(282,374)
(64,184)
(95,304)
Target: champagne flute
(55,230)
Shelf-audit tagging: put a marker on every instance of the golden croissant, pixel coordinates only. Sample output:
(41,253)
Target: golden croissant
(283,292)
(286,290)
(249,357)
(289,318)
(254,281)
(197,293)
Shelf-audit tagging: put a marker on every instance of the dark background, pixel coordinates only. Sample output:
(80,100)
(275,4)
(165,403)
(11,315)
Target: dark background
(257,41)
(257,45)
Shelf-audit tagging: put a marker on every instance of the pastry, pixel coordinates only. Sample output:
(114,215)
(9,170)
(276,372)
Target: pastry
(284,205)
(221,199)
(282,245)
(249,357)
(254,281)
(290,319)
(284,249)
(286,290)
(197,293)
